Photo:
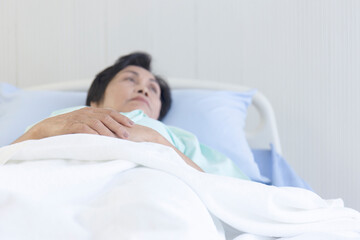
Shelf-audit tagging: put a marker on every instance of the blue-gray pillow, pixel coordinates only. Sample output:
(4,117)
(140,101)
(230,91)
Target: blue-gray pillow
(21,108)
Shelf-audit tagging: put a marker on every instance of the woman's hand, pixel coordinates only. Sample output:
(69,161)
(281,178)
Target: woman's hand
(90,120)
(139,133)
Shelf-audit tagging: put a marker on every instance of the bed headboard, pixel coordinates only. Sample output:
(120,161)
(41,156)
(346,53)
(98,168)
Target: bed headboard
(261,128)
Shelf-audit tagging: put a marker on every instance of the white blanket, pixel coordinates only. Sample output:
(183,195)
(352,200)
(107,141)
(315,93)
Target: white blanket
(94,187)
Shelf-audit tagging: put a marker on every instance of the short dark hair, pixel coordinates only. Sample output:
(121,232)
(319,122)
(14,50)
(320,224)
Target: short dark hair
(97,89)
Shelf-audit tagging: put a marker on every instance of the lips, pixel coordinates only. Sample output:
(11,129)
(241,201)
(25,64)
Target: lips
(141,99)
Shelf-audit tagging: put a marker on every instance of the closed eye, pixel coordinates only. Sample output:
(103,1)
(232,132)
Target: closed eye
(130,79)
(154,89)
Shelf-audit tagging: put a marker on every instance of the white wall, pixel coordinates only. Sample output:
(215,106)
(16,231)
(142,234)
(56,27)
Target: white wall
(303,54)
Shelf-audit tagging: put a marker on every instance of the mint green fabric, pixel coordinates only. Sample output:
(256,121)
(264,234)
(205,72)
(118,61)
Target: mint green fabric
(206,158)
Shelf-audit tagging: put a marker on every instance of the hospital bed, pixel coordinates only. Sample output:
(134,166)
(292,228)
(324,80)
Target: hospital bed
(68,191)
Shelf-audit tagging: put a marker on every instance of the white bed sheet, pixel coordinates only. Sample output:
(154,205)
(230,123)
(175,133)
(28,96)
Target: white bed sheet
(86,186)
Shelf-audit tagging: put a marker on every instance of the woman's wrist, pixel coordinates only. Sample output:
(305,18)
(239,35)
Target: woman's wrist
(32,133)
(162,140)
(35,132)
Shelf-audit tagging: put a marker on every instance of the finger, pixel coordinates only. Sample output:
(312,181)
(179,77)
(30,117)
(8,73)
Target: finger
(95,119)
(83,128)
(118,117)
(114,126)
(100,128)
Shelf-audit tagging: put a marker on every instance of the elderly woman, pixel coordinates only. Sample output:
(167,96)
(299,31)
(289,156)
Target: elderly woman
(126,100)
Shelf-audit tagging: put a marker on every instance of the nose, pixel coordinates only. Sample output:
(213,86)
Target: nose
(142,90)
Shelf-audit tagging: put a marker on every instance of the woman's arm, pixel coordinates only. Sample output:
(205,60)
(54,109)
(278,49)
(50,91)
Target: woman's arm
(101,122)
(85,120)
(140,133)
(183,156)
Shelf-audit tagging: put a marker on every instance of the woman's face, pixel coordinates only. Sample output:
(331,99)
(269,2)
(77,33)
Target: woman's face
(132,88)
